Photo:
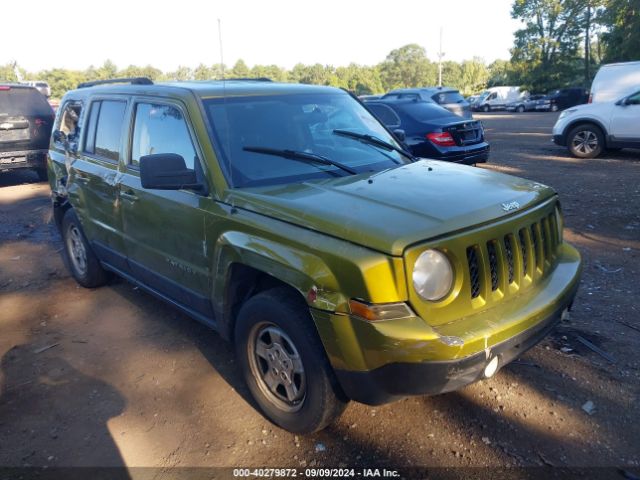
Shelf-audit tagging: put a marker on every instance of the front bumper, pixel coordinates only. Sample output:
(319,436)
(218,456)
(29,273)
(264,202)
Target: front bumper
(378,362)
(23,159)
(559,140)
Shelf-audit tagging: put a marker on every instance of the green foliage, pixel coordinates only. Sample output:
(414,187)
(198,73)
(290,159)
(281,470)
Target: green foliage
(621,41)
(408,66)
(546,51)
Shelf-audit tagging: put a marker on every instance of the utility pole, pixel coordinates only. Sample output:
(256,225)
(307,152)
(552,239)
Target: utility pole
(16,71)
(587,45)
(440,55)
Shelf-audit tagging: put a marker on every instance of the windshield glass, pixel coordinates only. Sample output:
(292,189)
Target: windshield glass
(300,123)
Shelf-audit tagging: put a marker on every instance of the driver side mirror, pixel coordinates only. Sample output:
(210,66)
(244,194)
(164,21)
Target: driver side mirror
(167,171)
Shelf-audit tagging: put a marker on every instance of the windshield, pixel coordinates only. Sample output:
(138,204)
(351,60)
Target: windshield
(299,123)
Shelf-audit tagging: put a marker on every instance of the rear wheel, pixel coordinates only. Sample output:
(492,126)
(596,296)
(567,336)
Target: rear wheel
(585,141)
(82,262)
(520,109)
(486,108)
(284,363)
(554,107)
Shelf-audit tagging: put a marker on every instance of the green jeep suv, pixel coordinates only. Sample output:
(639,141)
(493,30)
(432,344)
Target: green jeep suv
(287,218)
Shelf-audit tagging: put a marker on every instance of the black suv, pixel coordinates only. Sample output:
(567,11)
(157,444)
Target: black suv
(563,98)
(431,131)
(26,119)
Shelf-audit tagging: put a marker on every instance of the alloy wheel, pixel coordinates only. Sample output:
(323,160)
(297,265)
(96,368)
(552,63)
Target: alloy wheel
(585,142)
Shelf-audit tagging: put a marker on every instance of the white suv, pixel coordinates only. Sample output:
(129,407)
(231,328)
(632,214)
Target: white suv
(586,130)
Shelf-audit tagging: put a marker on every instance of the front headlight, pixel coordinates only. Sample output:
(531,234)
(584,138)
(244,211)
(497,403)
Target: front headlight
(566,113)
(432,275)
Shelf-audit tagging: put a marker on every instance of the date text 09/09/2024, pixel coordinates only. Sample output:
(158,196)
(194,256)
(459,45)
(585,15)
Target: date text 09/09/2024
(315,473)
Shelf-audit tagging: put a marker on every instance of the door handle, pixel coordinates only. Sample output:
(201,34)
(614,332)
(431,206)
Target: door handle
(129,195)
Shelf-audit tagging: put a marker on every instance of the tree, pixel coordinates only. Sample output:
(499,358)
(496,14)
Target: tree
(475,76)
(361,80)
(407,66)
(240,70)
(621,40)
(546,51)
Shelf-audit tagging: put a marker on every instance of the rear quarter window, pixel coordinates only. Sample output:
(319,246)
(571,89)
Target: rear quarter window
(24,101)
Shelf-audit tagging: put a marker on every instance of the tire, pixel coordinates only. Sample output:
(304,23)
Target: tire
(554,107)
(278,324)
(486,108)
(42,174)
(520,109)
(585,141)
(81,261)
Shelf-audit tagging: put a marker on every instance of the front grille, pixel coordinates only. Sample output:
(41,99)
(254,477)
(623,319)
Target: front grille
(493,265)
(527,252)
(509,254)
(474,271)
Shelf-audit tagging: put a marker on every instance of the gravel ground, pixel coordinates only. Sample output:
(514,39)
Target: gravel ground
(113,377)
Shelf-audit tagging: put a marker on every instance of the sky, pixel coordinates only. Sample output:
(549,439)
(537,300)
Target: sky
(282,32)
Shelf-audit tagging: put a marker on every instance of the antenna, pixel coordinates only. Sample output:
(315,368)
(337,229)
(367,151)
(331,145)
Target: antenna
(440,55)
(16,71)
(220,42)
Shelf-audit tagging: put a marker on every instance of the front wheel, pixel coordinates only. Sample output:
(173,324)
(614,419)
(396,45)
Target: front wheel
(486,108)
(585,141)
(520,109)
(554,107)
(284,363)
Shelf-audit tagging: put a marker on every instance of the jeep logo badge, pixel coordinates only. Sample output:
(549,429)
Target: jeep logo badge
(507,207)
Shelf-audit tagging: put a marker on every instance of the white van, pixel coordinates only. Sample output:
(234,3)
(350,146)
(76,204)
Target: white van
(614,81)
(497,98)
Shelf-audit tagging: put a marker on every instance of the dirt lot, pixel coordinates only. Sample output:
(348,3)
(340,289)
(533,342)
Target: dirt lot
(112,376)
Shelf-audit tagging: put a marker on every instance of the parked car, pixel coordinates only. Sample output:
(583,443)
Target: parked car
(525,104)
(446,97)
(289,219)
(497,98)
(41,86)
(562,98)
(587,130)
(431,131)
(26,120)
(614,81)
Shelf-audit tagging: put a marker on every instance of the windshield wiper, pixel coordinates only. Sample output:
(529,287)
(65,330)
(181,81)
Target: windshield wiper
(300,156)
(370,139)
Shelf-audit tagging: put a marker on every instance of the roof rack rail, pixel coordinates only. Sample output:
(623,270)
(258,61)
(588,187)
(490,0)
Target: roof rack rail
(131,80)
(239,79)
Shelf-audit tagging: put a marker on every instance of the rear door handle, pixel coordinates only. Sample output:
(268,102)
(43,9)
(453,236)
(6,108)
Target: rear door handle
(129,195)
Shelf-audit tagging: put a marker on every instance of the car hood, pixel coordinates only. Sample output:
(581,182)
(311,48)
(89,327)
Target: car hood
(396,208)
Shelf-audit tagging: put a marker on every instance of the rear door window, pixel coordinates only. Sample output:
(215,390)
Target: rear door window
(385,114)
(161,129)
(108,130)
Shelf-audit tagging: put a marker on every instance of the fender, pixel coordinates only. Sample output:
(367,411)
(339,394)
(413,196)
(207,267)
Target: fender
(326,271)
